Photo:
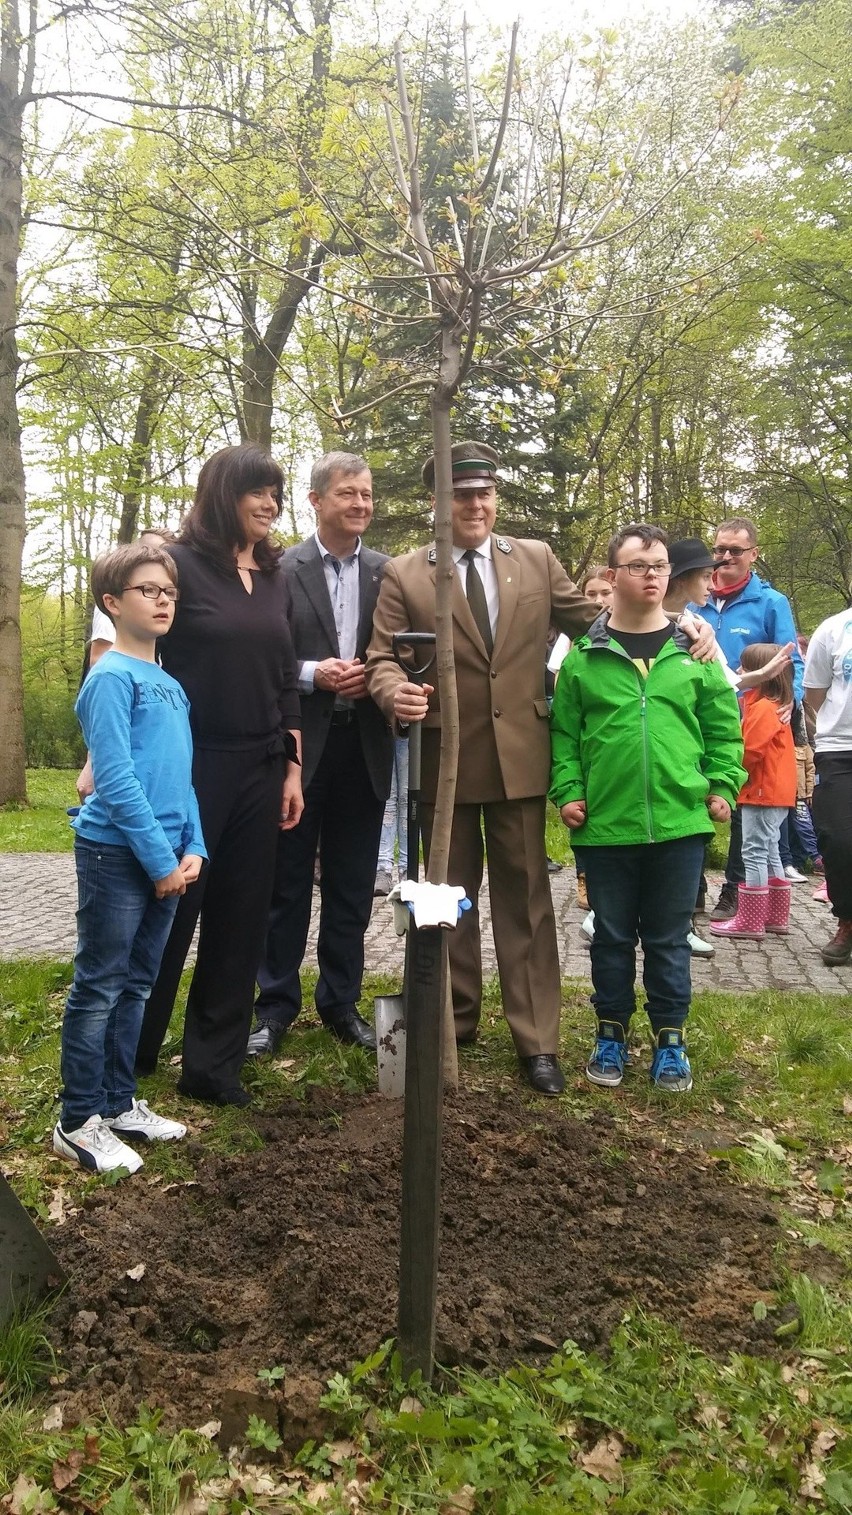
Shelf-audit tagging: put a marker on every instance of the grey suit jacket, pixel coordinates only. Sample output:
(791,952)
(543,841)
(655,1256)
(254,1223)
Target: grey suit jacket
(315,638)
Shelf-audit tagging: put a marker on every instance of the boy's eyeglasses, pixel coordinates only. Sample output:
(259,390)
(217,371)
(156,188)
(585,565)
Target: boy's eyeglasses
(153,591)
(642,570)
(733,552)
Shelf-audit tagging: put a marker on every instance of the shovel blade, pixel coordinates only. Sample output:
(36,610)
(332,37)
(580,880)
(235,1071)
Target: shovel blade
(28,1268)
(390,1037)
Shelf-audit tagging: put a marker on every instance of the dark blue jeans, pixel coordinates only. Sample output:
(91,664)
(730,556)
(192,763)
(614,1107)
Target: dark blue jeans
(122,929)
(645,892)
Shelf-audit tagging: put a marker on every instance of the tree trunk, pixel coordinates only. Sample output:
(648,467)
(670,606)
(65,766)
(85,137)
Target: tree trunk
(140,452)
(12,487)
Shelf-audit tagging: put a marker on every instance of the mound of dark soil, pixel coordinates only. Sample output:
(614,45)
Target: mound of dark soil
(288,1255)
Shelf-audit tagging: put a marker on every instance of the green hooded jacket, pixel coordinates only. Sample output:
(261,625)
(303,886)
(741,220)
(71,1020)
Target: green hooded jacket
(644,753)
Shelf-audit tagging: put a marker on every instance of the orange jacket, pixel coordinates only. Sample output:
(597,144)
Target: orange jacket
(770,754)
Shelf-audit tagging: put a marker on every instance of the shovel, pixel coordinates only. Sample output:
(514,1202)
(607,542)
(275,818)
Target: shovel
(390,1008)
(28,1268)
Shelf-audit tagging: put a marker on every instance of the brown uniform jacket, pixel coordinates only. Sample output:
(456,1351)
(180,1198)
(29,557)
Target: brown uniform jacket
(504,750)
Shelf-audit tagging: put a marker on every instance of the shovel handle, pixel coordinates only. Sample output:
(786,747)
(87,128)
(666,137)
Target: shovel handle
(416,641)
(406,645)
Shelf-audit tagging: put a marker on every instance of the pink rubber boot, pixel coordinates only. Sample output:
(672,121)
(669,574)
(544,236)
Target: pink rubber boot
(750,919)
(778,914)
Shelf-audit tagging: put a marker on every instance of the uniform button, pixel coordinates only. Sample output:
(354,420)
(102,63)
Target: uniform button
(496,713)
(493,674)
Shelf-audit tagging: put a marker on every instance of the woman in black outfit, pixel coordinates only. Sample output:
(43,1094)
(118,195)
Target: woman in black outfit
(230,648)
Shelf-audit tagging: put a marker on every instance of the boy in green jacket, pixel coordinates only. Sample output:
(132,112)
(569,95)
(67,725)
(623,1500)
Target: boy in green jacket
(646,756)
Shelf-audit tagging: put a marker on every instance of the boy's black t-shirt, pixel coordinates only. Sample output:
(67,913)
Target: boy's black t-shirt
(642,646)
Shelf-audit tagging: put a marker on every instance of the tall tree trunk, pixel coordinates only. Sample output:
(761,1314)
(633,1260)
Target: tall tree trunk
(12,485)
(140,452)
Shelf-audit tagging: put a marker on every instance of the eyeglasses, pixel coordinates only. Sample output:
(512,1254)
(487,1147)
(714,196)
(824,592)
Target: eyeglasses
(153,591)
(642,570)
(733,552)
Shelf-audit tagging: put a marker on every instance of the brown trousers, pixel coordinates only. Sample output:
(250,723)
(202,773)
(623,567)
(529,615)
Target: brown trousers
(521,915)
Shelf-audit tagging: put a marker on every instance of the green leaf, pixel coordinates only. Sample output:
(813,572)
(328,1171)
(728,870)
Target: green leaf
(259,1433)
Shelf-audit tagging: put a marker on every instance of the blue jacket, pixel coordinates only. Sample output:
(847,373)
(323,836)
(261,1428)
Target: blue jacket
(758,613)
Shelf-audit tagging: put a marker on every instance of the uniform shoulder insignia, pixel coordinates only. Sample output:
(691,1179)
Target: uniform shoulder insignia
(432,554)
(502,545)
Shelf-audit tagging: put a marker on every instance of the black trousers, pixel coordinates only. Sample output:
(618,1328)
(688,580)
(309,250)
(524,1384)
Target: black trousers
(343,816)
(239,797)
(735,868)
(832,816)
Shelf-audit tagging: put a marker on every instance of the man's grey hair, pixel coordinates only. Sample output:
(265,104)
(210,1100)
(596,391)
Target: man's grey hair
(331,463)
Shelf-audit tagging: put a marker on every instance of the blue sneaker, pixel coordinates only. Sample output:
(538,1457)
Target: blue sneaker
(670,1068)
(609,1059)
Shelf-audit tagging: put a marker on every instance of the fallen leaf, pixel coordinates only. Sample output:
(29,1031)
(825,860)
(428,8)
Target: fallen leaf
(210,1429)
(56,1211)
(53,1420)
(92,1448)
(339,1452)
(711,1417)
(137,1272)
(21,1496)
(410,1406)
(319,1493)
(812,1480)
(803,1395)
(823,1444)
(603,1460)
(64,1473)
(461,1502)
(175,1062)
(286,1062)
(847,1104)
(190,1500)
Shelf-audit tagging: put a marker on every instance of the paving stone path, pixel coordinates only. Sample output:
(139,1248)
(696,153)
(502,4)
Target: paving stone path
(38,900)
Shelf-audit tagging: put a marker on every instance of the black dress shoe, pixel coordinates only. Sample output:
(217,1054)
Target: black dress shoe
(237,1095)
(553,866)
(265,1039)
(544,1073)
(352,1028)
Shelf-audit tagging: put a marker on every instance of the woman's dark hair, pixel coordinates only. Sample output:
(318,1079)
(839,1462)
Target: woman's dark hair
(780,687)
(212,526)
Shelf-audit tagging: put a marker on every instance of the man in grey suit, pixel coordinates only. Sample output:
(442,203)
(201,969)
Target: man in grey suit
(347,753)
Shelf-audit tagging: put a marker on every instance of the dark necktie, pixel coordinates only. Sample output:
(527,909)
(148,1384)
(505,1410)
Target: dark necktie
(475,591)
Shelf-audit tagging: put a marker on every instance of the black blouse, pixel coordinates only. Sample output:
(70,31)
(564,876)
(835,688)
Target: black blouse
(233,653)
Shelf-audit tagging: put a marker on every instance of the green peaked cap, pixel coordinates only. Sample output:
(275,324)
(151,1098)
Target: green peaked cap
(472,462)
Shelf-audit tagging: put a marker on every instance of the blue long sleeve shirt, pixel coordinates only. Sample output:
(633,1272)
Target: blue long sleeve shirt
(135,719)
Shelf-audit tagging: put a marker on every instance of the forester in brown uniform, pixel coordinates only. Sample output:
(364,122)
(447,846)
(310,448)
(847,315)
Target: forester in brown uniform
(505,595)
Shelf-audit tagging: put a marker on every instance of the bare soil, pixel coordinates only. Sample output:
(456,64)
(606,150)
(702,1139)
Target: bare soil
(551,1230)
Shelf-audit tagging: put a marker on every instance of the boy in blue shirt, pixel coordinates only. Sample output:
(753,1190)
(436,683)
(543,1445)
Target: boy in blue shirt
(138,847)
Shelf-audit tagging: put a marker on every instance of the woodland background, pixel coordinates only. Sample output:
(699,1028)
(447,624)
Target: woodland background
(207,249)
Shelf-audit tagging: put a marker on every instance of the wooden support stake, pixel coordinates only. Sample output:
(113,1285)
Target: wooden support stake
(426,989)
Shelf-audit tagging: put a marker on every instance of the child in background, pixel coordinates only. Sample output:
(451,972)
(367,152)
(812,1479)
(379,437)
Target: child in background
(763,901)
(138,846)
(597,588)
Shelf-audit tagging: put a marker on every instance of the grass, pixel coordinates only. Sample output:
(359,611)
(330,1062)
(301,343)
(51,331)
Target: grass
(651,1428)
(42,824)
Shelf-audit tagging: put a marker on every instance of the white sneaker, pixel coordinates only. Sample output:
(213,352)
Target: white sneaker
(697,945)
(145,1124)
(794,875)
(95,1147)
(587,925)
